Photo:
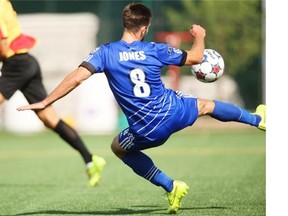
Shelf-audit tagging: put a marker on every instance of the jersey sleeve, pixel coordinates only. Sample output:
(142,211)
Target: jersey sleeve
(169,55)
(93,62)
(3,31)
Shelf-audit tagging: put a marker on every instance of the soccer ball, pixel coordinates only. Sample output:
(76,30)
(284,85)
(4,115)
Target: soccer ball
(211,68)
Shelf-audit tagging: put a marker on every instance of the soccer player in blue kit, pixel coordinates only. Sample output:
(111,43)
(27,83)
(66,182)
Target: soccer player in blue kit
(132,67)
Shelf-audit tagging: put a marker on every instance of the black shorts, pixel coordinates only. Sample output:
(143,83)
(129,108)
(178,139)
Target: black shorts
(22,72)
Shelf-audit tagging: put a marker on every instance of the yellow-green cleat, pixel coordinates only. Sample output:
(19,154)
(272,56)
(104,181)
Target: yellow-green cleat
(261,111)
(95,169)
(180,189)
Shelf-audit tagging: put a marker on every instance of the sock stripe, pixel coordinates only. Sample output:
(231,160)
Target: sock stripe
(240,114)
(151,170)
(151,173)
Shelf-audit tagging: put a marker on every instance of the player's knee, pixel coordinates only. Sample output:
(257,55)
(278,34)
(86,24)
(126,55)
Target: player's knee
(116,149)
(205,107)
(113,145)
(49,119)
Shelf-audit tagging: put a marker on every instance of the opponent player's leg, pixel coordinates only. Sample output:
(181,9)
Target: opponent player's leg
(9,80)
(51,120)
(2,99)
(34,91)
(143,166)
(231,112)
(94,164)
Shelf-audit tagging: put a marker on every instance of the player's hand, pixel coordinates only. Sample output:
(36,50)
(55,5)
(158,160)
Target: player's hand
(197,31)
(35,106)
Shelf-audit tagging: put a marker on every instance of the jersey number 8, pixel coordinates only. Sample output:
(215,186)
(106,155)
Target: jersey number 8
(141,89)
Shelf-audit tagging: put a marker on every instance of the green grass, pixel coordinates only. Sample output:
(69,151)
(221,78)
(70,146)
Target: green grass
(41,175)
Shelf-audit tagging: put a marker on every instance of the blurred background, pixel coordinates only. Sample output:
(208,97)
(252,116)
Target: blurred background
(68,30)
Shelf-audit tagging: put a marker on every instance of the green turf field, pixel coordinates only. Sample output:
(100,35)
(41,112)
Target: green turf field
(41,175)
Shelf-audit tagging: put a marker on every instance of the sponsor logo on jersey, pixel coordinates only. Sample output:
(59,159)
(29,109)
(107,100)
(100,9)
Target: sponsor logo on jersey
(175,50)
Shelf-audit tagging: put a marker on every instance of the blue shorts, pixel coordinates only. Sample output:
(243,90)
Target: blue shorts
(185,114)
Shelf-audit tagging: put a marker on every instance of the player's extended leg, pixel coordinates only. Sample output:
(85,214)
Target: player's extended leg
(230,112)
(94,163)
(143,166)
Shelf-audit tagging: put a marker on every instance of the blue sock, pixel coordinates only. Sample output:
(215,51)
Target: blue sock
(230,112)
(143,166)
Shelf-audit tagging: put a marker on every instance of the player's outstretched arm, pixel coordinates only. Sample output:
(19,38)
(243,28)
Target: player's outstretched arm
(69,83)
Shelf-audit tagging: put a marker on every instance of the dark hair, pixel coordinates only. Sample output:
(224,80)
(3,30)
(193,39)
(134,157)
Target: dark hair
(135,15)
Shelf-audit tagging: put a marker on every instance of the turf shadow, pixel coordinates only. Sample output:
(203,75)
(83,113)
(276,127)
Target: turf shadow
(118,211)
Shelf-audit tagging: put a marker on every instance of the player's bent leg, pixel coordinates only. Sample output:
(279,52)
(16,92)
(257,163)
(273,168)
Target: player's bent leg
(139,162)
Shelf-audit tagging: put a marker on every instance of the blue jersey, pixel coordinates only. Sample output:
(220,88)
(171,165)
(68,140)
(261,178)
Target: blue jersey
(133,74)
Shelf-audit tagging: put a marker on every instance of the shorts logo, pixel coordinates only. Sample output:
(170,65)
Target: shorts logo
(169,51)
(126,139)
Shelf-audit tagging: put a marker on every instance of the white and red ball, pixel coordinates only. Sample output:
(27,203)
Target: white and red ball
(211,68)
